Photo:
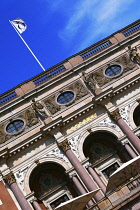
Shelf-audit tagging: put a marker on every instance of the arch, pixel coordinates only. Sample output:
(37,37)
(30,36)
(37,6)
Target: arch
(131,119)
(41,161)
(96,129)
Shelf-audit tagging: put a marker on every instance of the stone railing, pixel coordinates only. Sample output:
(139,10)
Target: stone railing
(8,97)
(84,54)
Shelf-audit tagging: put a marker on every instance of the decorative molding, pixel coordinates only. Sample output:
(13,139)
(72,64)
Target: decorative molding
(115,115)
(9,178)
(64,145)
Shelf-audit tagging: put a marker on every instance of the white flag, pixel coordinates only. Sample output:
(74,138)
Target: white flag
(19,24)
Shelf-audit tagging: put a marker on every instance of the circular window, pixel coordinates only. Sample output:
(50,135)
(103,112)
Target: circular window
(113,71)
(65,97)
(14,126)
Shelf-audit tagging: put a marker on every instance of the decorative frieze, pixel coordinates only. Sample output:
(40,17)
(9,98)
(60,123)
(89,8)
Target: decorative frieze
(28,119)
(9,178)
(64,145)
(124,62)
(79,91)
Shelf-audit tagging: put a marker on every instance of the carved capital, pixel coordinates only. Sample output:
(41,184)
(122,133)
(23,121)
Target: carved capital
(64,145)
(115,115)
(9,178)
(138,100)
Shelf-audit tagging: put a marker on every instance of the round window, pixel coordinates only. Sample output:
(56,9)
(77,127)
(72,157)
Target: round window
(113,70)
(65,97)
(14,126)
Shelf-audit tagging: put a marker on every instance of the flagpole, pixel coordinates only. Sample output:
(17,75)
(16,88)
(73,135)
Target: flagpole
(27,46)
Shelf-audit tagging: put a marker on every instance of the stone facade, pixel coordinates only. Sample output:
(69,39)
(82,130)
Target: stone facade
(77,124)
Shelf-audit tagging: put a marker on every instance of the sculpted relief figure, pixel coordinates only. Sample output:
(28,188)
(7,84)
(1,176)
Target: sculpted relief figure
(39,109)
(91,84)
(88,80)
(134,55)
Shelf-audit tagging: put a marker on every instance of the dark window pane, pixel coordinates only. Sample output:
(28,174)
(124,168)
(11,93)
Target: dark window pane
(15,126)
(113,70)
(65,97)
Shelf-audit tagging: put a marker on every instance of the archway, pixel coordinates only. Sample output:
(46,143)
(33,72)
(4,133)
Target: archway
(105,153)
(50,184)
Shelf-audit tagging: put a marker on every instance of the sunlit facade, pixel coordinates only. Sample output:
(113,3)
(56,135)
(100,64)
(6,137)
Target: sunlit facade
(65,131)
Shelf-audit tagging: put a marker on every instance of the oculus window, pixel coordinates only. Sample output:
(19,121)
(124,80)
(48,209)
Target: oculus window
(66,97)
(15,126)
(113,70)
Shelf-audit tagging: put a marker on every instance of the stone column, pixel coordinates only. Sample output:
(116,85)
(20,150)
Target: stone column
(81,171)
(97,179)
(129,149)
(126,129)
(35,204)
(11,181)
(80,188)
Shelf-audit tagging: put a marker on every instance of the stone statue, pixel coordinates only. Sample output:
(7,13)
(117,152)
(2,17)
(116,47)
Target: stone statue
(39,109)
(134,55)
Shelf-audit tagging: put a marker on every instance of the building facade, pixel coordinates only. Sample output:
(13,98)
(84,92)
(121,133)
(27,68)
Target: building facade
(65,131)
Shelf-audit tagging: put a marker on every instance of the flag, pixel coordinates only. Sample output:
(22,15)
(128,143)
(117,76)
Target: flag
(19,24)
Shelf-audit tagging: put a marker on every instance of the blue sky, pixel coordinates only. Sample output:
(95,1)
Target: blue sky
(56,30)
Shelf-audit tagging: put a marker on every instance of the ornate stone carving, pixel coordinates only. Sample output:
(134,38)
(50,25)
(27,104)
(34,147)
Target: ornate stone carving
(89,81)
(134,55)
(51,102)
(20,176)
(2,135)
(39,109)
(115,115)
(31,118)
(9,178)
(109,123)
(79,89)
(124,113)
(126,63)
(74,145)
(51,105)
(100,77)
(57,153)
(64,145)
